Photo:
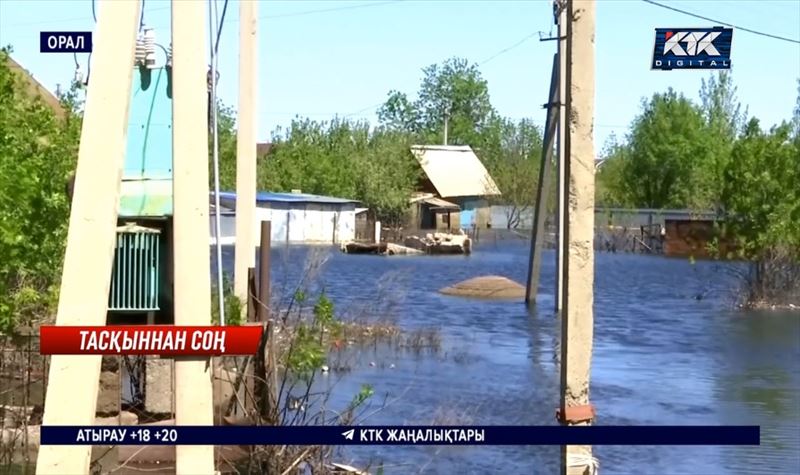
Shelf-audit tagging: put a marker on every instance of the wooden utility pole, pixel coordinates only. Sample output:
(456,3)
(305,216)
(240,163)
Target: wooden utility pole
(561,20)
(577,315)
(543,188)
(193,386)
(91,239)
(246,150)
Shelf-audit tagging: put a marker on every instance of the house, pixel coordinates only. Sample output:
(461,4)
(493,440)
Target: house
(296,217)
(454,191)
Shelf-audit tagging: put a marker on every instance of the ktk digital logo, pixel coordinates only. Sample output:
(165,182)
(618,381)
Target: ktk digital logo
(692,48)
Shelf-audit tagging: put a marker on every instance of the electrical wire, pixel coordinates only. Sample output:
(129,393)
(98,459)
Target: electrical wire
(701,17)
(212,13)
(334,9)
(506,50)
(149,118)
(490,58)
(220,24)
(88,69)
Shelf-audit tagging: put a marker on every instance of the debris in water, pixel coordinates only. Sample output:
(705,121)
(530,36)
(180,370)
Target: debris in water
(487,287)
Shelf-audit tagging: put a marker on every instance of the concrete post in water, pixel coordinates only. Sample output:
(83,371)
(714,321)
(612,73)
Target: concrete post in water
(577,314)
(543,188)
(91,240)
(562,121)
(193,385)
(377,232)
(245,257)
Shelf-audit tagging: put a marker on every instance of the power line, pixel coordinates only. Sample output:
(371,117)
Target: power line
(375,106)
(141,16)
(334,9)
(492,57)
(506,50)
(219,27)
(74,19)
(695,15)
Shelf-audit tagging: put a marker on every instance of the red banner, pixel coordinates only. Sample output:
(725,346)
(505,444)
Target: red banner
(164,340)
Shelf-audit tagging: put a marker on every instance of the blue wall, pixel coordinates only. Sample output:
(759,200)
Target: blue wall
(147,173)
(149,147)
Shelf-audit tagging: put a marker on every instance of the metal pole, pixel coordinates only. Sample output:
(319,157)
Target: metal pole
(215,133)
(543,189)
(577,319)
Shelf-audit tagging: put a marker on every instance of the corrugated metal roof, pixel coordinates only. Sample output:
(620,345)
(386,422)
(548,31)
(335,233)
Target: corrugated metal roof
(438,203)
(455,170)
(270,197)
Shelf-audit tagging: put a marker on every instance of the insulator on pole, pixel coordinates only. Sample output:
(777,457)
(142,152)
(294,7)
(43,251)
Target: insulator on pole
(150,48)
(141,52)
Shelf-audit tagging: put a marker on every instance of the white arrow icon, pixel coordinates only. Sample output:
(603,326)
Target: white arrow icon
(349,434)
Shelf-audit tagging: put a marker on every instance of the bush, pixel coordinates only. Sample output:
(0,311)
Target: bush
(38,151)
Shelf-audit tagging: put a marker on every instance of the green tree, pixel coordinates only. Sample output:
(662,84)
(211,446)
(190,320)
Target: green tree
(609,175)
(665,143)
(724,120)
(512,156)
(454,89)
(226,138)
(399,114)
(37,153)
(761,194)
(346,159)
(762,201)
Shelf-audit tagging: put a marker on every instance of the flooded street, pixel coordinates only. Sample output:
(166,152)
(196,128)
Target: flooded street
(669,349)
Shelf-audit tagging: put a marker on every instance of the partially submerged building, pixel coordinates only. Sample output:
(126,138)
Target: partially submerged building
(295,217)
(454,191)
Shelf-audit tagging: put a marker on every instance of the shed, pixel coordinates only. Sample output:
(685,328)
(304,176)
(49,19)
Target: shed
(295,217)
(693,237)
(455,173)
(434,213)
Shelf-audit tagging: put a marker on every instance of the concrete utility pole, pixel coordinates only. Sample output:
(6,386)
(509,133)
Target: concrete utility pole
(562,120)
(193,387)
(577,315)
(246,150)
(92,236)
(543,189)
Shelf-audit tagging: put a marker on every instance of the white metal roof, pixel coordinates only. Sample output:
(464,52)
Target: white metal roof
(455,170)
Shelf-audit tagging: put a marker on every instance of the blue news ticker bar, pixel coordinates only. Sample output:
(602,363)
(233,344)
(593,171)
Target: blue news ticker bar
(65,42)
(401,435)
